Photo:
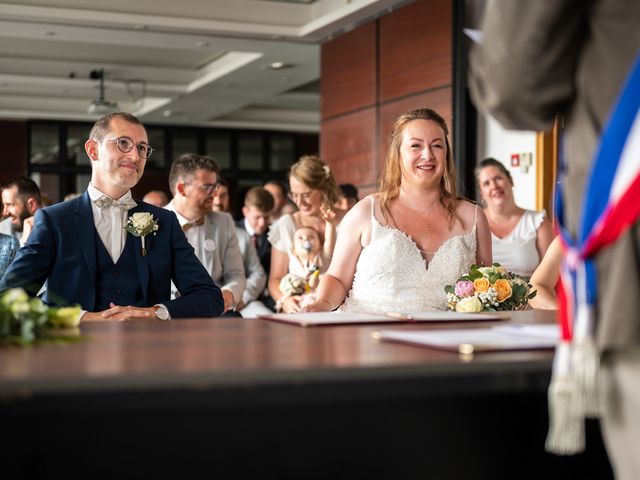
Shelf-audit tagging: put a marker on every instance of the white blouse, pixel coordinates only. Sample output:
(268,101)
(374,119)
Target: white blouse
(517,251)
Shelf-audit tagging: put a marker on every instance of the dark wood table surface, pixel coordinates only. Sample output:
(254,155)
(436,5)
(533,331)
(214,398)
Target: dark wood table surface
(243,352)
(250,397)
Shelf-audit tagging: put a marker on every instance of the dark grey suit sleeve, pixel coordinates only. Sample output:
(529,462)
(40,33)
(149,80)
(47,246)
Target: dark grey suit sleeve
(523,72)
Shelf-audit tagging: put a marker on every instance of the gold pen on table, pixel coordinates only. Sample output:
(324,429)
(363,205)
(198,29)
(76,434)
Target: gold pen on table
(399,316)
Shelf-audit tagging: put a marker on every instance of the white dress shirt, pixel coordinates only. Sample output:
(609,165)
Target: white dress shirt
(109,223)
(248,228)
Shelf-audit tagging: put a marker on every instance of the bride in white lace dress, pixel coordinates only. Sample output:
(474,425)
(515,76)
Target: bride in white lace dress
(396,250)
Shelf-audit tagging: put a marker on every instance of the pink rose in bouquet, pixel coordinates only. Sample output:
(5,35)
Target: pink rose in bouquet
(464,288)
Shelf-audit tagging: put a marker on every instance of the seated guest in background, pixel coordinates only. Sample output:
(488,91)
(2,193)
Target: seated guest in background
(20,199)
(156,197)
(221,199)
(520,237)
(315,193)
(193,180)
(9,246)
(398,249)
(282,204)
(83,252)
(349,196)
(46,200)
(258,205)
(546,276)
(71,196)
(252,235)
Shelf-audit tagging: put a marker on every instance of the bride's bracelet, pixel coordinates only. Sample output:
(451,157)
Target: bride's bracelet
(324,300)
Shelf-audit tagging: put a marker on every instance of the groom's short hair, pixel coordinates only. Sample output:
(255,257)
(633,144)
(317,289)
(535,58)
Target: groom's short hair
(184,168)
(101,127)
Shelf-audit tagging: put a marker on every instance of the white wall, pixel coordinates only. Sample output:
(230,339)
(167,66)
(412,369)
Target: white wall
(494,141)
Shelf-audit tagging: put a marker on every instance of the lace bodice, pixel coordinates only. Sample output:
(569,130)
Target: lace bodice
(392,275)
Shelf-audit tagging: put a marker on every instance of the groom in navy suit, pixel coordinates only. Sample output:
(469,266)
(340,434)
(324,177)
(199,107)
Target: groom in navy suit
(81,249)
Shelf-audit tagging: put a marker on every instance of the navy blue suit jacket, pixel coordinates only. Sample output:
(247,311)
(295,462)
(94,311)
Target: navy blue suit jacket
(61,250)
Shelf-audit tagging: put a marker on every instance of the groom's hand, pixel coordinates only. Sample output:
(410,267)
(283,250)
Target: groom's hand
(119,313)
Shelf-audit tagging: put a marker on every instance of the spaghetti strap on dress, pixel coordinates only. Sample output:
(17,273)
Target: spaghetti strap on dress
(392,275)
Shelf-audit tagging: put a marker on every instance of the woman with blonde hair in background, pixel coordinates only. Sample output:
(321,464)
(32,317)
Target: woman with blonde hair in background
(314,191)
(398,249)
(519,237)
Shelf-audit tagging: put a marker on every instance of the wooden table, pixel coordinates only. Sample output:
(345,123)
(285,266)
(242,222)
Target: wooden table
(231,398)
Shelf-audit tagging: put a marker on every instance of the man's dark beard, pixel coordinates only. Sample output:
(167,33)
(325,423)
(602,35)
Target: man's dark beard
(23,216)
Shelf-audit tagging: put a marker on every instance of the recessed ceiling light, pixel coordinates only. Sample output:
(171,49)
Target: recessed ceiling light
(279,65)
(167,113)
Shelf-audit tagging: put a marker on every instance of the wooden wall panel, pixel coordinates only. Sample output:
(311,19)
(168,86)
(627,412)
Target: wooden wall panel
(13,138)
(438,100)
(373,74)
(349,146)
(415,49)
(348,71)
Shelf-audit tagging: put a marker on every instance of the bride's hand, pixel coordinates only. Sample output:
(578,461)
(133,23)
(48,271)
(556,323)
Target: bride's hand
(291,304)
(317,306)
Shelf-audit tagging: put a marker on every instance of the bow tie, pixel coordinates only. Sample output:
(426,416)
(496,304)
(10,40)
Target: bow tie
(195,223)
(106,202)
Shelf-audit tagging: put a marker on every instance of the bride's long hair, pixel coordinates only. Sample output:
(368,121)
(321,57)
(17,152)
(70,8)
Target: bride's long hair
(392,173)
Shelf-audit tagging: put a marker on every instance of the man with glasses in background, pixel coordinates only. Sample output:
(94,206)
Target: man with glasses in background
(193,181)
(92,250)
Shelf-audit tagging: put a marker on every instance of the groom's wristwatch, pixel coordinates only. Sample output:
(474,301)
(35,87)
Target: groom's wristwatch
(161,312)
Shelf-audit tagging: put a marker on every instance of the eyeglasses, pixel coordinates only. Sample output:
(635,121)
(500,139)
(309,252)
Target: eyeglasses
(208,188)
(295,197)
(125,145)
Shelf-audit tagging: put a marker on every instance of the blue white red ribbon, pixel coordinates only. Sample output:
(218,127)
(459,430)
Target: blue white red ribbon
(610,208)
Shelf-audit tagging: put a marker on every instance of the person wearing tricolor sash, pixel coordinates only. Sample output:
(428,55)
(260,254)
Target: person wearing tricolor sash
(580,62)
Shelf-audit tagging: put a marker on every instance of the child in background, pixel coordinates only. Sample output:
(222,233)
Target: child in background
(308,258)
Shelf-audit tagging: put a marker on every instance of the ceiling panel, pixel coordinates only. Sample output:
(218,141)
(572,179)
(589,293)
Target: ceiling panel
(192,62)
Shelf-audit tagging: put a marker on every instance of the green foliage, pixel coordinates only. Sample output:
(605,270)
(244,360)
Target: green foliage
(24,320)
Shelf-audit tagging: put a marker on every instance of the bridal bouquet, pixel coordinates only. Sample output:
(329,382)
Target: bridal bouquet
(24,320)
(489,289)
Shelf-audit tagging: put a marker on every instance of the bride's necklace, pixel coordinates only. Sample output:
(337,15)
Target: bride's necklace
(426,215)
(428,232)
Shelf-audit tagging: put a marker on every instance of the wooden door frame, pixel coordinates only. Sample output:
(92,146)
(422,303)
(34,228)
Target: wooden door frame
(546,168)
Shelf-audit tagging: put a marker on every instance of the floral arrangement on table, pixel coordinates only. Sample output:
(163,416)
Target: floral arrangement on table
(141,224)
(24,320)
(489,289)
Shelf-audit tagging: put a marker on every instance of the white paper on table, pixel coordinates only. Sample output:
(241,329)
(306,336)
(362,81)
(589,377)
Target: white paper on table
(328,318)
(469,340)
(549,331)
(346,318)
(445,316)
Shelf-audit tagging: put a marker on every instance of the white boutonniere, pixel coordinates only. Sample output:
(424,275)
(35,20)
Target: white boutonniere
(141,224)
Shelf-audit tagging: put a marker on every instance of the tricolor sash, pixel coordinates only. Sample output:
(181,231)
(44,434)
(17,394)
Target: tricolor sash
(610,208)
